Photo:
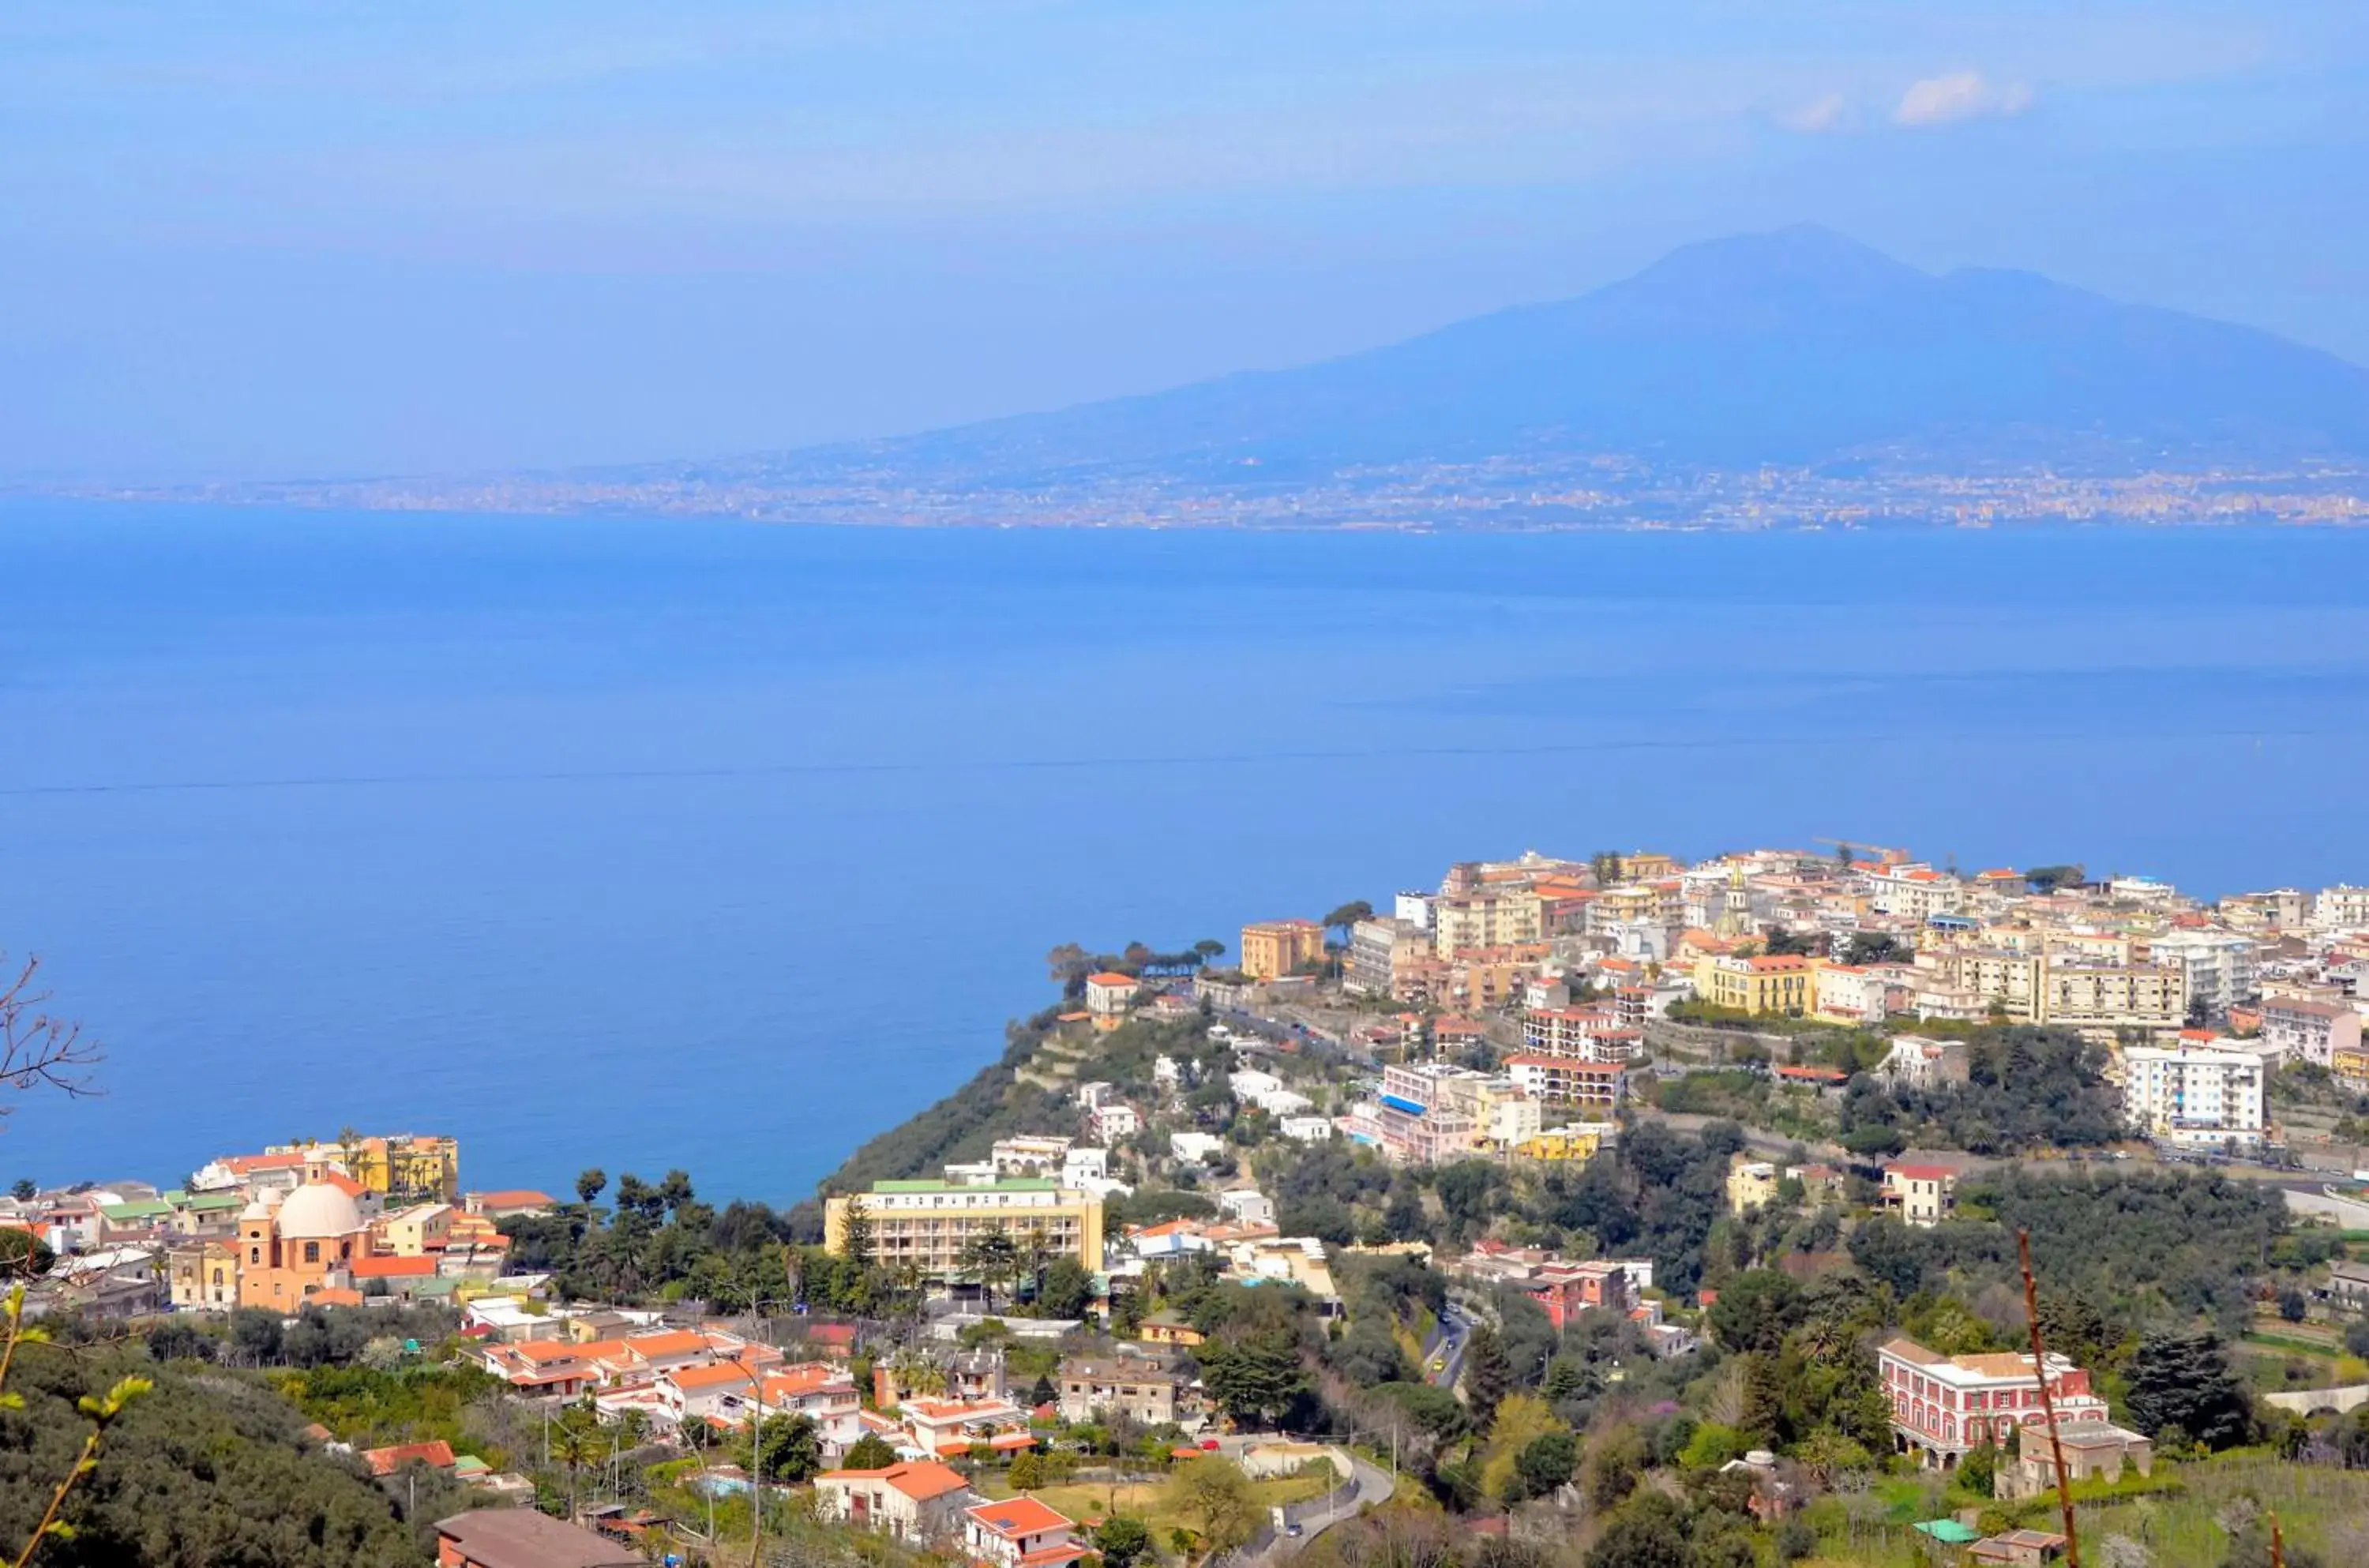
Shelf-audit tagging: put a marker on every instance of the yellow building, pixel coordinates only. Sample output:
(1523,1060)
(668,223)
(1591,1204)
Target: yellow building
(2349,1065)
(1644,866)
(1487,917)
(1271,949)
(202,1275)
(1751,1183)
(928,1224)
(1785,985)
(402,1167)
(416,1232)
(1580,1140)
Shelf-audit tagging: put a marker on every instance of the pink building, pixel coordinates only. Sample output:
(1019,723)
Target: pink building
(1945,1406)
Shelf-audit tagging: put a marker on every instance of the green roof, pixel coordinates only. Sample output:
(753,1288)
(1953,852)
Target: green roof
(1951,1531)
(151,1210)
(1008,1184)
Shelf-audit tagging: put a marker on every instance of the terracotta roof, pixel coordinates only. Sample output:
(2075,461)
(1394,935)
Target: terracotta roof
(1108,978)
(344,1184)
(1014,1517)
(921,1480)
(1922,1172)
(335,1296)
(516,1197)
(666,1342)
(720,1375)
(521,1537)
(386,1462)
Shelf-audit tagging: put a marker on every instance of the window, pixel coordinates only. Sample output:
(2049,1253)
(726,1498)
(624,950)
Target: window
(312,1252)
(255,1254)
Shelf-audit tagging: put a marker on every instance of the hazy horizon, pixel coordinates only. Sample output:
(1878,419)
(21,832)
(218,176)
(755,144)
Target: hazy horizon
(298,244)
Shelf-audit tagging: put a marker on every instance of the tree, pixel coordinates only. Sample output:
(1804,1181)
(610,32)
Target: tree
(992,1258)
(574,1444)
(1348,915)
(24,1256)
(1876,947)
(1042,1392)
(1546,1462)
(38,1048)
(1256,1379)
(1756,1309)
(2184,1381)
(2049,878)
(1122,1541)
(1650,1532)
(870,1451)
(788,1449)
(1207,949)
(1027,1471)
(1067,1289)
(855,1243)
(1488,1374)
(254,1333)
(588,1184)
(26,1190)
(1214,1495)
(2293,1306)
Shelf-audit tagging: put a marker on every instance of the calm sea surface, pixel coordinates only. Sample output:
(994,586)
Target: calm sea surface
(723,847)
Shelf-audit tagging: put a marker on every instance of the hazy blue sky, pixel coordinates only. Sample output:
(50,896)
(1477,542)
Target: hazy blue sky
(282,239)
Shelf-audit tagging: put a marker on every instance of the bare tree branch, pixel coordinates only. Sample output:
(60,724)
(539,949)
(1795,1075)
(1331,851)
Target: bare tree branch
(38,1049)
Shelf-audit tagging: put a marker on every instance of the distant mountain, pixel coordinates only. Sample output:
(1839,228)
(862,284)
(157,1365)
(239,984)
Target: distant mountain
(1796,347)
(1773,380)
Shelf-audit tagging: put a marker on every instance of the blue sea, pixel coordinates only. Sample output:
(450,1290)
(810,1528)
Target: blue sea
(648,844)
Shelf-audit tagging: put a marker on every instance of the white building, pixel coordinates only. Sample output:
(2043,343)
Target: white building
(1113,1121)
(1306,1129)
(2194,1095)
(1040,1156)
(2219,966)
(1195,1148)
(1914,892)
(1248,1205)
(2341,908)
(1084,1165)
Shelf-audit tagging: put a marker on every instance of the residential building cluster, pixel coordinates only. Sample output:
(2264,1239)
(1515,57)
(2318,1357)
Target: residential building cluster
(320,1224)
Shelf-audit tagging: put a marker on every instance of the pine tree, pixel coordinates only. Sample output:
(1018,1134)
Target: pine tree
(857,1245)
(2183,1382)
(1488,1375)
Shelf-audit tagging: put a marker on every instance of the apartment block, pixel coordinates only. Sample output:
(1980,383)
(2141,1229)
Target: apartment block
(928,1224)
(2310,1031)
(2193,1096)
(1784,985)
(1271,949)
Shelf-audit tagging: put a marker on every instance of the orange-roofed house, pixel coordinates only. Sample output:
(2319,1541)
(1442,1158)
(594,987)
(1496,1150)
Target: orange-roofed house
(1109,997)
(437,1455)
(1019,1532)
(647,1354)
(335,1296)
(920,1501)
(711,1392)
(551,1365)
(1783,984)
(949,1427)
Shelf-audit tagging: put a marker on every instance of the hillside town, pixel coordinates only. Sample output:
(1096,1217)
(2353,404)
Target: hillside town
(1499,1195)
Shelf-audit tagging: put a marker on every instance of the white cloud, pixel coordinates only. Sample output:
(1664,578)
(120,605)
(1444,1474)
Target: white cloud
(1959,94)
(1817,117)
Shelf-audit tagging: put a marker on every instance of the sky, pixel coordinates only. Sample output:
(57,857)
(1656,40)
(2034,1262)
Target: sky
(301,238)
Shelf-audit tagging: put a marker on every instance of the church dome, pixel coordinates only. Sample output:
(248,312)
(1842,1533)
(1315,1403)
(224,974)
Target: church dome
(319,1211)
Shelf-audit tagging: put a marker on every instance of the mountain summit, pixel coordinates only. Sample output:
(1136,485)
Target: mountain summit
(1795,348)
